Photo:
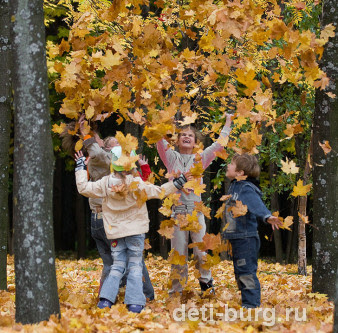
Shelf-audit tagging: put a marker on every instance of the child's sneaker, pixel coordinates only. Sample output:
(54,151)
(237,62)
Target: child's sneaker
(208,286)
(135,308)
(104,303)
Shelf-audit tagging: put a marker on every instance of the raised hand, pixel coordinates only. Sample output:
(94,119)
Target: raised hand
(142,160)
(80,161)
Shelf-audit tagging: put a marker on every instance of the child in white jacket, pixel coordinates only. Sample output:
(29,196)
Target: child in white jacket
(126,221)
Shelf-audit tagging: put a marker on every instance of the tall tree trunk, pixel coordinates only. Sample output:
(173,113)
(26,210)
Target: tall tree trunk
(36,289)
(292,242)
(325,173)
(275,207)
(302,202)
(5,123)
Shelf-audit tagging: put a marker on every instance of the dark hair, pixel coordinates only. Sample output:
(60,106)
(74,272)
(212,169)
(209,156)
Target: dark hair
(197,133)
(247,163)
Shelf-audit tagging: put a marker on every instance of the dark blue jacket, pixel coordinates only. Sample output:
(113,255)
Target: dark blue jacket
(246,225)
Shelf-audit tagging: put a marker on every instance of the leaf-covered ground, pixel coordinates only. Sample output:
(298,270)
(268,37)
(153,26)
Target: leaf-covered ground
(283,293)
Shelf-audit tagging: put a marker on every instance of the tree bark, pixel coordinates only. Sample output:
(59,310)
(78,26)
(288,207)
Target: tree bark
(302,202)
(275,207)
(325,173)
(5,123)
(36,289)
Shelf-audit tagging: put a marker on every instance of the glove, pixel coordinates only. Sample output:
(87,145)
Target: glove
(180,181)
(80,164)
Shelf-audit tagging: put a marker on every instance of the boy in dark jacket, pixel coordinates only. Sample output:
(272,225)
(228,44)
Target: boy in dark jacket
(241,231)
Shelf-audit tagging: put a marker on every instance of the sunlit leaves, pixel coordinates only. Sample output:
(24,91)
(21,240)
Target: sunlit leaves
(289,167)
(300,189)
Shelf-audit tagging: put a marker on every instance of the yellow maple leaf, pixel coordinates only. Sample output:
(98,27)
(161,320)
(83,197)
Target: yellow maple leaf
(195,185)
(78,145)
(225,197)
(327,32)
(210,261)
(175,258)
(222,154)
(219,213)
(109,59)
(325,146)
(200,207)
(189,119)
(59,128)
(289,167)
(90,112)
(287,222)
(239,209)
(304,218)
(289,131)
(128,142)
(247,78)
(157,132)
(197,170)
(189,222)
(300,189)
(167,228)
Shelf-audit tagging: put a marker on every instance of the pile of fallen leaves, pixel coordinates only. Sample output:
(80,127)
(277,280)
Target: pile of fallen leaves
(288,305)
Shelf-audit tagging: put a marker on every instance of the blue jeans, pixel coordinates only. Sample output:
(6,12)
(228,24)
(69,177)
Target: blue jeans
(102,243)
(104,248)
(245,257)
(127,254)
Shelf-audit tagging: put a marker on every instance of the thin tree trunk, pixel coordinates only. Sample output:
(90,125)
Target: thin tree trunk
(302,202)
(292,240)
(36,289)
(5,123)
(275,207)
(325,169)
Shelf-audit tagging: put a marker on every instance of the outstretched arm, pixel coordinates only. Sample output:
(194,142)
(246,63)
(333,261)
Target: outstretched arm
(208,154)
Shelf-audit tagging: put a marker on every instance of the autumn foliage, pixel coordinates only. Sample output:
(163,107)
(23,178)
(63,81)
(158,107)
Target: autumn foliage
(78,283)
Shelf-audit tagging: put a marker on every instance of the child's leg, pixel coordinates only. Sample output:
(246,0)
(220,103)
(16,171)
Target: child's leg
(245,256)
(110,287)
(179,243)
(148,288)
(102,244)
(197,237)
(134,290)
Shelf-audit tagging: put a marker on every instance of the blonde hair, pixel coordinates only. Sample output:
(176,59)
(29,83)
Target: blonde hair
(247,163)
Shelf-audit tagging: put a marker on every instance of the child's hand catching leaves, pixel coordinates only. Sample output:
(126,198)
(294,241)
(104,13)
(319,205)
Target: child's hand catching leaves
(275,222)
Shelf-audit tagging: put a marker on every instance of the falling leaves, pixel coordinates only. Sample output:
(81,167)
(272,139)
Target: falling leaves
(326,147)
(300,189)
(289,167)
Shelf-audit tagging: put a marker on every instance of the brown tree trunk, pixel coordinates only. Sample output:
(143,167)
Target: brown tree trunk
(275,207)
(35,277)
(292,241)
(302,202)
(325,169)
(5,123)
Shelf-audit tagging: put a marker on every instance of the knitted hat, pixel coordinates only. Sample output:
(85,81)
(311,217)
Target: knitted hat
(116,154)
